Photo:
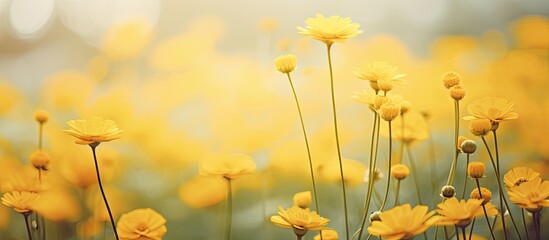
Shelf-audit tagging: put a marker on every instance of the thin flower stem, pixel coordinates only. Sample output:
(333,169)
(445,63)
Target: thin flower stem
(229,209)
(471,230)
(328,46)
(389,172)
(524,223)
(396,193)
(456,133)
(307,146)
(457,232)
(433,165)
(402,143)
(26,217)
(484,209)
(40,129)
(465,178)
(370,174)
(463,232)
(537,224)
(414,172)
(93,146)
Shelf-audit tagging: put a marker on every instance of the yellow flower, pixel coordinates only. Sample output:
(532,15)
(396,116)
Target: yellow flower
(476,169)
(403,222)
(21,202)
(93,130)
(492,108)
(299,218)
(227,165)
(39,159)
(400,171)
(41,116)
(365,97)
(531,195)
(353,171)
(486,194)
(141,224)
(379,72)
(285,63)
(415,127)
(461,213)
(330,30)
(519,175)
(303,199)
(480,127)
(389,111)
(457,92)
(450,79)
(328,234)
(200,191)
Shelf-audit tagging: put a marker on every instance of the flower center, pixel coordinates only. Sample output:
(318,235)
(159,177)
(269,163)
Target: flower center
(520,181)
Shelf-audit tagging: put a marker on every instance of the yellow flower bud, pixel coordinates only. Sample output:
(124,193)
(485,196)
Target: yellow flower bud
(486,195)
(400,171)
(303,199)
(480,127)
(385,85)
(39,159)
(476,169)
(389,111)
(285,63)
(457,92)
(451,79)
(41,116)
(379,100)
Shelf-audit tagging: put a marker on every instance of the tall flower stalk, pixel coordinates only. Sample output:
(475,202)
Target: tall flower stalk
(229,210)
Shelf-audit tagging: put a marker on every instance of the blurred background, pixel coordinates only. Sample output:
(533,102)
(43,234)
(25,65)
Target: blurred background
(188,78)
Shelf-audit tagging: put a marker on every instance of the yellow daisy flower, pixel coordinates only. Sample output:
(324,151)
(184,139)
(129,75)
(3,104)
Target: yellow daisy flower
(141,224)
(492,108)
(331,29)
(299,218)
(93,130)
(519,175)
(379,72)
(21,202)
(285,63)
(227,165)
(403,222)
(461,213)
(531,195)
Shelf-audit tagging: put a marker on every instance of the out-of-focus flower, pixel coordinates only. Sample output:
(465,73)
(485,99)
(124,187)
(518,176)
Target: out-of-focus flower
(118,202)
(480,127)
(377,175)
(327,234)
(330,30)
(451,79)
(227,165)
(400,171)
(89,227)
(125,41)
(303,199)
(491,108)
(299,218)
(202,191)
(403,222)
(141,224)
(531,195)
(476,169)
(9,96)
(353,171)
(67,89)
(41,116)
(379,71)
(531,32)
(415,128)
(39,159)
(485,192)
(267,24)
(461,213)
(58,205)
(93,130)
(457,92)
(21,202)
(366,97)
(517,176)
(285,63)
(75,168)
(389,111)
(4,218)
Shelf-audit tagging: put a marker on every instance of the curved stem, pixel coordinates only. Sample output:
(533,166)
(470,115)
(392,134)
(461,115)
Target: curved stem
(337,143)
(389,172)
(93,146)
(229,209)
(484,209)
(414,172)
(456,133)
(465,178)
(26,217)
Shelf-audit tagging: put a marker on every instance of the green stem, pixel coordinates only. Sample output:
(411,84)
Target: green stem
(389,172)
(414,172)
(229,209)
(93,146)
(457,232)
(396,193)
(26,217)
(40,129)
(484,209)
(370,176)
(524,223)
(337,143)
(402,143)
(465,178)
(456,133)
(463,232)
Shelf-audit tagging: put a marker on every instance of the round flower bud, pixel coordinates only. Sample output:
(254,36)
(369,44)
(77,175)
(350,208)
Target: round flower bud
(385,85)
(476,169)
(405,106)
(39,159)
(389,111)
(451,79)
(468,146)
(447,191)
(375,216)
(457,92)
(484,194)
(380,100)
(285,63)
(461,139)
(400,171)
(41,116)
(480,127)
(303,199)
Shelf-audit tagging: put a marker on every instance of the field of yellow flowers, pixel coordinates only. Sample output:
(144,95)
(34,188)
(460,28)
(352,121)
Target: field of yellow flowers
(340,134)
